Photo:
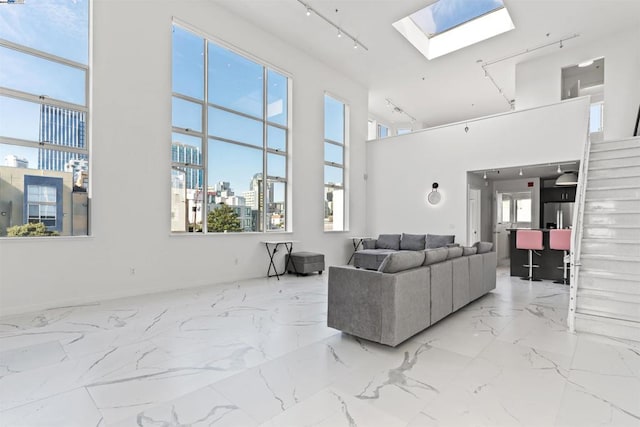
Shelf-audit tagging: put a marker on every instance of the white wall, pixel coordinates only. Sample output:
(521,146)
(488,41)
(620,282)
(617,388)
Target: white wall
(539,82)
(131,134)
(401,169)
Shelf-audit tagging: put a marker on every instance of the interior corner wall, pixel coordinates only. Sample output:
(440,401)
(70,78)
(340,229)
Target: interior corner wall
(402,169)
(539,82)
(130,250)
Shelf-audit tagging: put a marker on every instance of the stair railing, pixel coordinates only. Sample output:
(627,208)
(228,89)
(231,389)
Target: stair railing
(578,224)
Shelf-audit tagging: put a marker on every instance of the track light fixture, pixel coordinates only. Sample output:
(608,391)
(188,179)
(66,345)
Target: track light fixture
(485,175)
(484,64)
(396,109)
(341,31)
(559,170)
(520,172)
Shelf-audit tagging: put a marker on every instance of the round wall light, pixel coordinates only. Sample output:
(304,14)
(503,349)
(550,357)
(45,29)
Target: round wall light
(434,197)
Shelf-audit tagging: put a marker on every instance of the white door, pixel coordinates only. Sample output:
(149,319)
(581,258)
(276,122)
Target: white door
(474,216)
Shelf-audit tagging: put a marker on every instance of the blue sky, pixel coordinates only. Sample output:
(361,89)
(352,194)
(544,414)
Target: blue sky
(446,14)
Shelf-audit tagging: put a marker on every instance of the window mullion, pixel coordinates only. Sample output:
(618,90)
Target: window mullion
(265,185)
(205,142)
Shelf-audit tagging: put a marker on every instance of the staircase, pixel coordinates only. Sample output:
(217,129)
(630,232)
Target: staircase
(605,296)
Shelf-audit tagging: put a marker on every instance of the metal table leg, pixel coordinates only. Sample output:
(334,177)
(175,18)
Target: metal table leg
(356,244)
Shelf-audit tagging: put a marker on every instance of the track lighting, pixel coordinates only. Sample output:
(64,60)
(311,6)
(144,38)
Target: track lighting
(559,170)
(561,44)
(520,173)
(485,175)
(341,31)
(396,109)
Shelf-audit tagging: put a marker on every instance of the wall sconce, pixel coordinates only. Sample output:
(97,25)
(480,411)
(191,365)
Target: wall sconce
(434,197)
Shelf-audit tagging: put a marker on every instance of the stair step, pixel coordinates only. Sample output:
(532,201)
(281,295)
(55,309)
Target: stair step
(595,183)
(616,328)
(629,257)
(599,308)
(611,232)
(600,282)
(612,218)
(614,163)
(606,274)
(612,145)
(618,153)
(616,265)
(619,172)
(610,304)
(609,247)
(632,193)
(611,205)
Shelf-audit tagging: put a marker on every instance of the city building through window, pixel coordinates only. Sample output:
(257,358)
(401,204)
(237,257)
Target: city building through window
(335,113)
(229,141)
(44,99)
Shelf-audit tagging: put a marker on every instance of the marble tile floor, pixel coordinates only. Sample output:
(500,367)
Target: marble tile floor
(259,353)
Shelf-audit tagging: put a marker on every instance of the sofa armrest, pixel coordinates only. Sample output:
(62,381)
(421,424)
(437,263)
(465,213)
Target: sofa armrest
(355,301)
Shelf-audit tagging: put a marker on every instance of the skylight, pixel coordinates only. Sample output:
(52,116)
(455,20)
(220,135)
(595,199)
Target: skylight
(448,25)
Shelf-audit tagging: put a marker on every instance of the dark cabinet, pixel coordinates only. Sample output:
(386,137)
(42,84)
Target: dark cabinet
(558,194)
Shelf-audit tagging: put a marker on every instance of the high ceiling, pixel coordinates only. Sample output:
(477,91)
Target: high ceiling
(447,89)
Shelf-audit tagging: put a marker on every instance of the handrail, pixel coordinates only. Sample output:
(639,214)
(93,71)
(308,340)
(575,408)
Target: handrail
(578,225)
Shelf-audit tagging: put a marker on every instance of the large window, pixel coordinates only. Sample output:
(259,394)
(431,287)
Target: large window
(335,113)
(229,140)
(44,99)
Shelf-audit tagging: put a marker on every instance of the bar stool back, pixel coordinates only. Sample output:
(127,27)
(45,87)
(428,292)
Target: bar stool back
(560,240)
(530,240)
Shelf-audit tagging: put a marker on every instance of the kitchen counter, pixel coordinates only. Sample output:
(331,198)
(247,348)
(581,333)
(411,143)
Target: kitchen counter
(549,259)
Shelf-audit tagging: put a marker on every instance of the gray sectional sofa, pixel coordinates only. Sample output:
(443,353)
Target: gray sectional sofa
(376,250)
(410,291)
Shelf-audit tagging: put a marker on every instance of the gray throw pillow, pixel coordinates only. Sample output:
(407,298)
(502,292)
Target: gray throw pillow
(412,242)
(483,247)
(369,244)
(388,241)
(433,256)
(469,250)
(454,252)
(403,260)
(438,241)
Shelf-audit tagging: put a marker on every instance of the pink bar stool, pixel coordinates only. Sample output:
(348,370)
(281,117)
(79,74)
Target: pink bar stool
(560,240)
(530,240)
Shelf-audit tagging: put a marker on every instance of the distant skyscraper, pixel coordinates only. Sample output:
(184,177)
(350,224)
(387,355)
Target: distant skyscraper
(60,126)
(184,153)
(16,162)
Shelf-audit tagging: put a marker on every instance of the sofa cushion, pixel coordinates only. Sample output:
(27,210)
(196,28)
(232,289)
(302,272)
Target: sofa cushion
(400,261)
(438,241)
(454,252)
(469,250)
(370,258)
(435,255)
(388,241)
(369,244)
(412,242)
(483,247)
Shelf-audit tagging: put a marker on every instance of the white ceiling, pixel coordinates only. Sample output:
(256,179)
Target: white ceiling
(447,89)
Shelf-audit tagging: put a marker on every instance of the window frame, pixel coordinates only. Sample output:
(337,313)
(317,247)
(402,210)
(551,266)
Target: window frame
(42,100)
(206,137)
(342,165)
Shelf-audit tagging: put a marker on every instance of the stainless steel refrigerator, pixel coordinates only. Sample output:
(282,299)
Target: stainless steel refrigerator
(558,214)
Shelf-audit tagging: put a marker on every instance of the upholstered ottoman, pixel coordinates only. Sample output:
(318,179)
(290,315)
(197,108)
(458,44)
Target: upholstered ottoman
(305,263)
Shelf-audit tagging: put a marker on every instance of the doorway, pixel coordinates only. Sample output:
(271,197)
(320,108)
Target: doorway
(474,215)
(513,210)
